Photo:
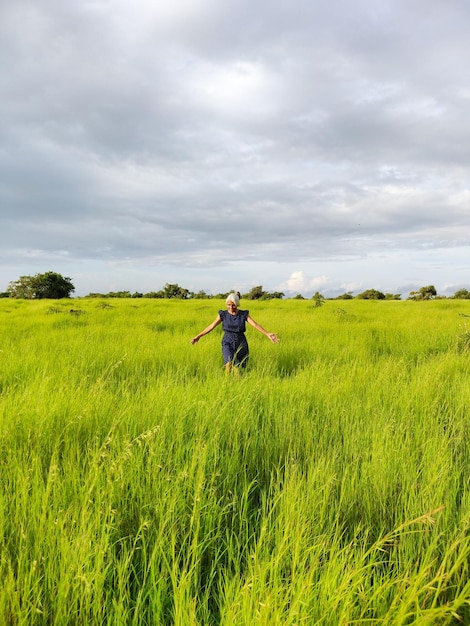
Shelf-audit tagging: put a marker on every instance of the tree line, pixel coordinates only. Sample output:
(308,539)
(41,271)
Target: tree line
(55,286)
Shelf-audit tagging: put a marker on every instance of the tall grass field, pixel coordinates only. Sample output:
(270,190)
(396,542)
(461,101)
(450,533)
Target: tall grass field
(327,484)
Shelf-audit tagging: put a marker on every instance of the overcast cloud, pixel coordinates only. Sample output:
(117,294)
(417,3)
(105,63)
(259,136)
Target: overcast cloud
(299,144)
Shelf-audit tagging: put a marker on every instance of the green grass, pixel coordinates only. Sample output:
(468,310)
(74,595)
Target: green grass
(328,484)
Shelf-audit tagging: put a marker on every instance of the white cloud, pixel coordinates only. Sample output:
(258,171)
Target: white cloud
(206,137)
(299,283)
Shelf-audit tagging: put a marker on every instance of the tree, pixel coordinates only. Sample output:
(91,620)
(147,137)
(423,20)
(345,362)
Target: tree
(273,295)
(53,285)
(318,299)
(173,290)
(425,293)
(201,295)
(371,294)
(153,294)
(345,296)
(462,294)
(22,288)
(256,293)
(118,294)
(40,286)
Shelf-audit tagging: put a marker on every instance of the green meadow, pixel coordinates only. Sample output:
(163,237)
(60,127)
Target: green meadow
(328,484)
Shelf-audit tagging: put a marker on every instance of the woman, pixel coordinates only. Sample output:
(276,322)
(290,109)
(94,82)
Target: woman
(234,344)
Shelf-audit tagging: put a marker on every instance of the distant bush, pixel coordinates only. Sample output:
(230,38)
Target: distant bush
(425,293)
(462,294)
(371,294)
(40,286)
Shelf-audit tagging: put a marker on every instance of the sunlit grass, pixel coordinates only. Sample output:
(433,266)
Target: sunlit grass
(327,484)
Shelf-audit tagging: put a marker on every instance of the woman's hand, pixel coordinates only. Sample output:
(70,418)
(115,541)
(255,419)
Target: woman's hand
(273,337)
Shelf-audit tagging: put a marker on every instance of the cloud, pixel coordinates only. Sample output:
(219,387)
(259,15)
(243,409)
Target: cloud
(199,134)
(298,283)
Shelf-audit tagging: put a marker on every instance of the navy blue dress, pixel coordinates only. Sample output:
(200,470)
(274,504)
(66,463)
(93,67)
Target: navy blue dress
(234,343)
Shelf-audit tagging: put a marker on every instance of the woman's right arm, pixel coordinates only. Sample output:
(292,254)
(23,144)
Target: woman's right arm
(206,330)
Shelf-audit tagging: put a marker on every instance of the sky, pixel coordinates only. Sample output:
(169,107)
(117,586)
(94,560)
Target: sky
(301,145)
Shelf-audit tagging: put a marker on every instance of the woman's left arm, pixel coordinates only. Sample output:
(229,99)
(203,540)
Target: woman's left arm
(271,336)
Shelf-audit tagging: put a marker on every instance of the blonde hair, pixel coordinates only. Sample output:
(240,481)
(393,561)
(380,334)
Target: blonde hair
(233,297)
